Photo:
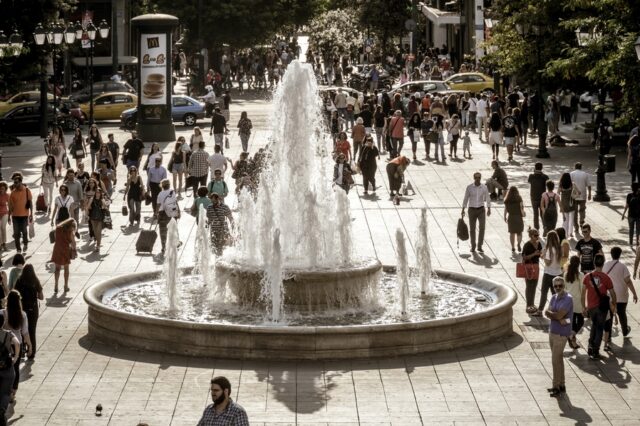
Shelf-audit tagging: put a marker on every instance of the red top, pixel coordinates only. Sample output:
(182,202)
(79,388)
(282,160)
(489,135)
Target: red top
(603,282)
(343,147)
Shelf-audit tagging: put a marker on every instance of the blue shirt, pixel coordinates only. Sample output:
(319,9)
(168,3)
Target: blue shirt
(157,174)
(564,303)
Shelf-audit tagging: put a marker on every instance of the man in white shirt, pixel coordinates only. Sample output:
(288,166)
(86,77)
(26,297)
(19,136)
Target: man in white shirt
(482,116)
(340,101)
(621,278)
(473,111)
(581,179)
(476,197)
(217,161)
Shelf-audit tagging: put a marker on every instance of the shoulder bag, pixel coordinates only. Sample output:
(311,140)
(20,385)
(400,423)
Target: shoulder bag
(604,304)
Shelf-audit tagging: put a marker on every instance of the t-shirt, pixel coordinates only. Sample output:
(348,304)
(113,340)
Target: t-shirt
(575,289)
(581,180)
(217,162)
(557,304)
(133,147)
(509,126)
(537,182)
(604,284)
(482,108)
(618,272)
(343,147)
(587,251)
(528,249)
(554,268)
(367,118)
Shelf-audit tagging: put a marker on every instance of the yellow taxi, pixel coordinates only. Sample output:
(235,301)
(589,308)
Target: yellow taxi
(21,99)
(109,106)
(471,81)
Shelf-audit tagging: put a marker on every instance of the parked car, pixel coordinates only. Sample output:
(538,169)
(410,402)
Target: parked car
(25,119)
(109,106)
(100,87)
(184,109)
(474,82)
(75,116)
(22,98)
(420,86)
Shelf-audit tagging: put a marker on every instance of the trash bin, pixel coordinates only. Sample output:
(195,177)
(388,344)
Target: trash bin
(609,163)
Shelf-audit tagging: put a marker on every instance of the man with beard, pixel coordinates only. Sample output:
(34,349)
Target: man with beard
(223,411)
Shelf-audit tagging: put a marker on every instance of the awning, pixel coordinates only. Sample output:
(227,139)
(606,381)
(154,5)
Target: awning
(439,17)
(102,61)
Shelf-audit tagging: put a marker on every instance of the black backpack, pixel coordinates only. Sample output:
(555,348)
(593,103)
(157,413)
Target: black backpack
(63,212)
(6,357)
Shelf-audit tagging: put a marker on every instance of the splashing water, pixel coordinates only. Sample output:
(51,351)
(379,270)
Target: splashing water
(295,194)
(272,289)
(170,269)
(344,222)
(203,251)
(423,254)
(403,273)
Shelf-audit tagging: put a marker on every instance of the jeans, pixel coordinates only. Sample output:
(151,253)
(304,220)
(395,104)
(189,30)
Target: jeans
(244,141)
(472,119)
(465,118)
(482,125)
(535,205)
(530,291)
(163,223)
(20,229)
(32,319)
(598,319)
(379,138)
(476,215)
(634,226)
(439,146)
(557,344)
(154,188)
(395,142)
(621,308)
(582,208)
(493,184)
(198,181)
(547,284)
(369,177)
(134,210)
(94,158)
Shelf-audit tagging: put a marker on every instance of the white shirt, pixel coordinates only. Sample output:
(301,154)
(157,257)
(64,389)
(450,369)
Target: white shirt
(162,197)
(210,97)
(218,161)
(618,272)
(476,196)
(340,100)
(473,102)
(554,268)
(482,108)
(66,202)
(581,179)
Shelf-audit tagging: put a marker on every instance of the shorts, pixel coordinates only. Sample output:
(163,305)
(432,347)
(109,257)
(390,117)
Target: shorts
(509,140)
(495,138)
(177,168)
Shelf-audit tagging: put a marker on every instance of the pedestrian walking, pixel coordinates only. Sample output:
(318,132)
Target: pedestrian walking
(134,194)
(587,249)
(132,151)
(342,173)
(30,289)
(552,257)
(244,130)
(94,140)
(513,215)
(453,129)
(396,132)
(49,180)
(466,145)
(415,132)
(220,223)
(537,184)
(368,165)
(168,209)
(4,214)
(599,299)
(567,190)
(177,166)
(531,252)
(622,284)
(582,181)
(156,174)
(77,146)
(15,321)
(64,251)
(11,349)
(495,134)
(476,196)
(20,211)
(96,213)
(549,208)
(573,283)
(560,313)
(632,210)
(62,205)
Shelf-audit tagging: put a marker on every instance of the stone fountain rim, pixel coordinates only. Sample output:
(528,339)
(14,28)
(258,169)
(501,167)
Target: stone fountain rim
(505,295)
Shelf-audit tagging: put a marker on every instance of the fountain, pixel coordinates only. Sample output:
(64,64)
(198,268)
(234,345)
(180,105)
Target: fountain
(293,287)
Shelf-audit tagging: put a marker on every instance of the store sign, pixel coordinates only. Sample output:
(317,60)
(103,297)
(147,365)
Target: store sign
(153,69)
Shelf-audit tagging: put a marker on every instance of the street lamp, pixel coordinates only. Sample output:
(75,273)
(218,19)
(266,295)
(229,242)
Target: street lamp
(91,32)
(585,38)
(40,37)
(526,31)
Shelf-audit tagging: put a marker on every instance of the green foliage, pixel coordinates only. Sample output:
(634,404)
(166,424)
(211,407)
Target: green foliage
(335,33)
(384,18)
(24,16)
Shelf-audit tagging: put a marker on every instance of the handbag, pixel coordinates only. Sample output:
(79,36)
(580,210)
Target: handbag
(52,236)
(462,230)
(226,142)
(528,271)
(147,198)
(416,135)
(79,153)
(106,220)
(125,211)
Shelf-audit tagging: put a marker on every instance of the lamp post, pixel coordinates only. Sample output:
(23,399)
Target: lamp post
(584,38)
(528,31)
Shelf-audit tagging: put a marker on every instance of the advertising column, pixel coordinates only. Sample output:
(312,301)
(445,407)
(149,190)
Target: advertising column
(154,33)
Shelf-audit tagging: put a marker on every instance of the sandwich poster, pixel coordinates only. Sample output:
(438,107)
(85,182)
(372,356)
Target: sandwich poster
(153,69)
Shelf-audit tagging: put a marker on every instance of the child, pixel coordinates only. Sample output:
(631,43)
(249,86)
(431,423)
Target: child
(466,145)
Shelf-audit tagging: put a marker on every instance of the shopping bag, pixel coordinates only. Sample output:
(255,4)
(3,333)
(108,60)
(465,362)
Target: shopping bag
(528,271)
(463,230)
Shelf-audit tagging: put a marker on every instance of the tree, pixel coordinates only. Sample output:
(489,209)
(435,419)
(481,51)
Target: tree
(384,18)
(335,33)
(24,16)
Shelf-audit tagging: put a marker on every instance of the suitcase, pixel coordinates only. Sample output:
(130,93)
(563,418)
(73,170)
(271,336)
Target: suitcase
(41,204)
(146,240)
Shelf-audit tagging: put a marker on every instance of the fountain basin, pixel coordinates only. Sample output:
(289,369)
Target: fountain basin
(305,289)
(120,328)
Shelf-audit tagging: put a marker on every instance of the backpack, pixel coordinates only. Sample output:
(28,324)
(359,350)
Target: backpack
(6,356)
(170,205)
(63,212)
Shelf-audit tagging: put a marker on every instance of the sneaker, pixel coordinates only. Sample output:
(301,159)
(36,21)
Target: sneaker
(626,332)
(607,348)
(480,250)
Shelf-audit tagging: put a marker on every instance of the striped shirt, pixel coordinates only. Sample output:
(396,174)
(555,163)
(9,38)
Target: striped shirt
(217,216)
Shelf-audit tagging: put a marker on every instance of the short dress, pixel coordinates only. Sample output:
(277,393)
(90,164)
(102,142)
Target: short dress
(61,248)
(515,224)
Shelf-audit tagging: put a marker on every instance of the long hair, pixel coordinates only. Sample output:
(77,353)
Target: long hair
(565,181)
(28,278)
(553,244)
(50,166)
(573,269)
(14,310)
(513,195)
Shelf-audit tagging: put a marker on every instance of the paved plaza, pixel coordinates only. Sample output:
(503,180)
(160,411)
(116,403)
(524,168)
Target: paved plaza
(500,383)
